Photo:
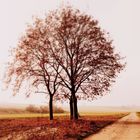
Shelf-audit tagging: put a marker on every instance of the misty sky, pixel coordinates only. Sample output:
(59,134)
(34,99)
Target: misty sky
(119,17)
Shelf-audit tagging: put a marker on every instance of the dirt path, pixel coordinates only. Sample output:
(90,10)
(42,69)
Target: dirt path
(127,128)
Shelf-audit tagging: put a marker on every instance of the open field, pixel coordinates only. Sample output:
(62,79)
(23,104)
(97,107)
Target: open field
(95,115)
(35,126)
(29,115)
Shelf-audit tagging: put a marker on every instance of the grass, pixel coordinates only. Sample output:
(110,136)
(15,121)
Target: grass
(28,115)
(101,113)
(32,126)
(36,115)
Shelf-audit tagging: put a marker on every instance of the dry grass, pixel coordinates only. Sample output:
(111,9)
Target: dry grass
(60,128)
(28,115)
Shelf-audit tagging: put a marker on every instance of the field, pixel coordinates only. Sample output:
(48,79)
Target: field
(29,115)
(38,127)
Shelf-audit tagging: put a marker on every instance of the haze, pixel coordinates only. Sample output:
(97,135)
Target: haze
(119,18)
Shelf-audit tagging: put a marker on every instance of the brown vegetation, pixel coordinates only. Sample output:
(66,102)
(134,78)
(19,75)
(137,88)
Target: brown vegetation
(138,113)
(30,109)
(43,109)
(11,111)
(60,129)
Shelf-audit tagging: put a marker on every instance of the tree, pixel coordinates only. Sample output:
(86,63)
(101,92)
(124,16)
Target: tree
(85,54)
(32,63)
(66,51)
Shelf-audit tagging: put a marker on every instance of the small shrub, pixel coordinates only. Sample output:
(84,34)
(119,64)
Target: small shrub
(43,109)
(33,109)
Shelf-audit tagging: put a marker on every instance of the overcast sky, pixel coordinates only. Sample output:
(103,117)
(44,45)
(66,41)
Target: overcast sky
(119,17)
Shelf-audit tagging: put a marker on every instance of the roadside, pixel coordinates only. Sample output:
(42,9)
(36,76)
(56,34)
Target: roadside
(127,128)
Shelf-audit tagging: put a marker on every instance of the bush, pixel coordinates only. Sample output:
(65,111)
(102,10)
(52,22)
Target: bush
(43,109)
(138,114)
(33,109)
(58,110)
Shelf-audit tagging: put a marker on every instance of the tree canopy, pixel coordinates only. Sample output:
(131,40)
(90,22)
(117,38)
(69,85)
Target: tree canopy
(67,51)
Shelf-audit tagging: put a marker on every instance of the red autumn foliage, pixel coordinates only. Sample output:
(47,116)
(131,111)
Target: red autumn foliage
(60,129)
(66,52)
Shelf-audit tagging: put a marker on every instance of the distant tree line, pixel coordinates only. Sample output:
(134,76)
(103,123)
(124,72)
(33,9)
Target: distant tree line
(43,109)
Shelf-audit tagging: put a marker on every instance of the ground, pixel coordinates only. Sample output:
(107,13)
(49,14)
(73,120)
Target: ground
(127,128)
(41,128)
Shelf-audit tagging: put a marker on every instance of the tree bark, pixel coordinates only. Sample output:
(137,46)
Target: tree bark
(51,107)
(75,112)
(74,104)
(71,107)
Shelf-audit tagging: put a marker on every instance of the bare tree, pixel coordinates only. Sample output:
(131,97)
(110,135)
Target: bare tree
(84,53)
(32,62)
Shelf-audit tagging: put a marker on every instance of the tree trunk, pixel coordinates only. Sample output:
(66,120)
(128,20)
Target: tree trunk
(51,107)
(75,115)
(71,107)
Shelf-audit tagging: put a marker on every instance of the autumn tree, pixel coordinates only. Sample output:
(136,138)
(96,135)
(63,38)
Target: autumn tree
(85,54)
(67,51)
(32,63)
